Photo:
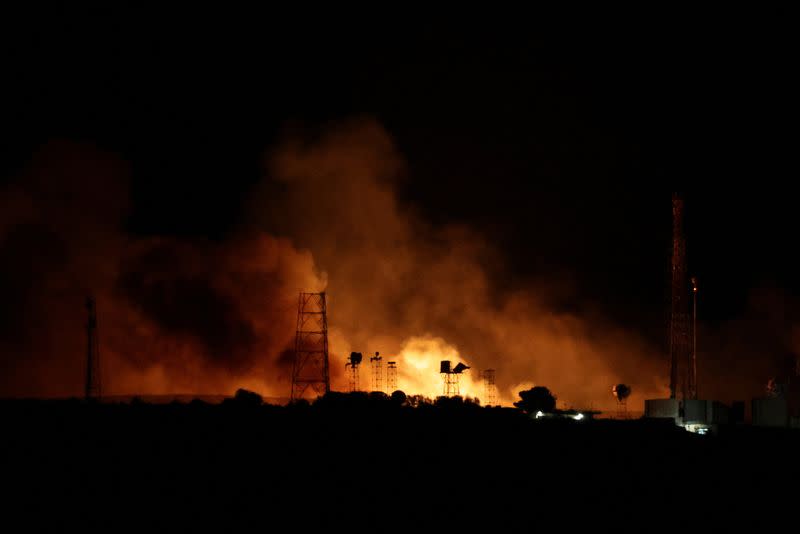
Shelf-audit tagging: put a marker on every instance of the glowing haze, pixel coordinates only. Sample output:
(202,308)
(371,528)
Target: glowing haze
(202,316)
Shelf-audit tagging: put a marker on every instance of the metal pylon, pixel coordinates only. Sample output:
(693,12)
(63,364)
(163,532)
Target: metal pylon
(311,347)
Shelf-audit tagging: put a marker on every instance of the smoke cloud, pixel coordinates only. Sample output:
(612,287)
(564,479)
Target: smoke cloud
(206,316)
(421,293)
(174,316)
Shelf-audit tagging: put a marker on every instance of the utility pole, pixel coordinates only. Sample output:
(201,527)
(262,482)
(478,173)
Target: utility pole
(693,377)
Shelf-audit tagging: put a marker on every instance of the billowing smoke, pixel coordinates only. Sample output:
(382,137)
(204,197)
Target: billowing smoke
(421,293)
(207,316)
(175,316)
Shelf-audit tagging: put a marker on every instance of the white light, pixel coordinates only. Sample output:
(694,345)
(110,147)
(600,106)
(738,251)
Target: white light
(539,414)
(697,429)
(578,417)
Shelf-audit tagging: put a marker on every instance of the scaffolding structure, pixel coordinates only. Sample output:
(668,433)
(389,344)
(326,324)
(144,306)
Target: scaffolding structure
(377,372)
(451,385)
(451,376)
(622,408)
(93,388)
(391,377)
(310,366)
(489,388)
(354,362)
(621,393)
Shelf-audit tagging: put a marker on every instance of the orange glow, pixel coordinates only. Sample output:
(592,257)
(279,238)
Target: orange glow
(418,368)
(208,317)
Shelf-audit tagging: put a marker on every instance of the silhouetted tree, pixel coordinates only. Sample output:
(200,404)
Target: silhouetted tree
(398,397)
(378,396)
(536,399)
(245,397)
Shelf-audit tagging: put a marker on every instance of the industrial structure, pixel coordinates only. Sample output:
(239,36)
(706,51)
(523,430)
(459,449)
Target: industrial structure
(682,382)
(391,377)
(377,372)
(693,375)
(310,367)
(683,406)
(489,388)
(451,376)
(93,384)
(780,407)
(621,392)
(354,362)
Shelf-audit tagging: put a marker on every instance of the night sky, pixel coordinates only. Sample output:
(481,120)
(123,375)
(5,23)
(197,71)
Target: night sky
(560,136)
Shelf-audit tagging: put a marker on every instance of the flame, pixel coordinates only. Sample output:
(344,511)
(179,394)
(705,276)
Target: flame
(182,315)
(418,368)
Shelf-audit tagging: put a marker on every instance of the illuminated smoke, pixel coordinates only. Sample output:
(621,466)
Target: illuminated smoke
(202,316)
(174,315)
(420,292)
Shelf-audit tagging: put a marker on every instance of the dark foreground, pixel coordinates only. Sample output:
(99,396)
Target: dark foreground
(360,464)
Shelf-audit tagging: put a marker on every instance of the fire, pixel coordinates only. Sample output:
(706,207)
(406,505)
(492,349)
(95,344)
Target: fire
(418,368)
(180,315)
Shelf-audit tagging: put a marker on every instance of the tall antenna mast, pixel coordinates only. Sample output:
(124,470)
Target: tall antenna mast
(693,368)
(310,366)
(679,320)
(93,387)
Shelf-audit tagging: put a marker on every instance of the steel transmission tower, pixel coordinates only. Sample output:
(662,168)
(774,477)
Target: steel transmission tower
(93,386)
(311,347)
(681,365)
(377,372)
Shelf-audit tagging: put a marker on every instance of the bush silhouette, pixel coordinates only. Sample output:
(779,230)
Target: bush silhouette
(536,399)
(398,397)
(249,398)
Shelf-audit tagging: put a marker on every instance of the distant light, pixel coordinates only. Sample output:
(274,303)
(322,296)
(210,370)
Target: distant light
(578,417)
(539,414)
(700,429)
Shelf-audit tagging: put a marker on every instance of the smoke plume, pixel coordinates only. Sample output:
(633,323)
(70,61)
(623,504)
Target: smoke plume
(174,315)
(421,293)
(180,315)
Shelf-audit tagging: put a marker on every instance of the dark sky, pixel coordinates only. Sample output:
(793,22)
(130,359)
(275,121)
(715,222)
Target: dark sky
(560,135)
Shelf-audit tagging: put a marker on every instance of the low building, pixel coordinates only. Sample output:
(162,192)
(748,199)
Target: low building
(695,415)
(662,409)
